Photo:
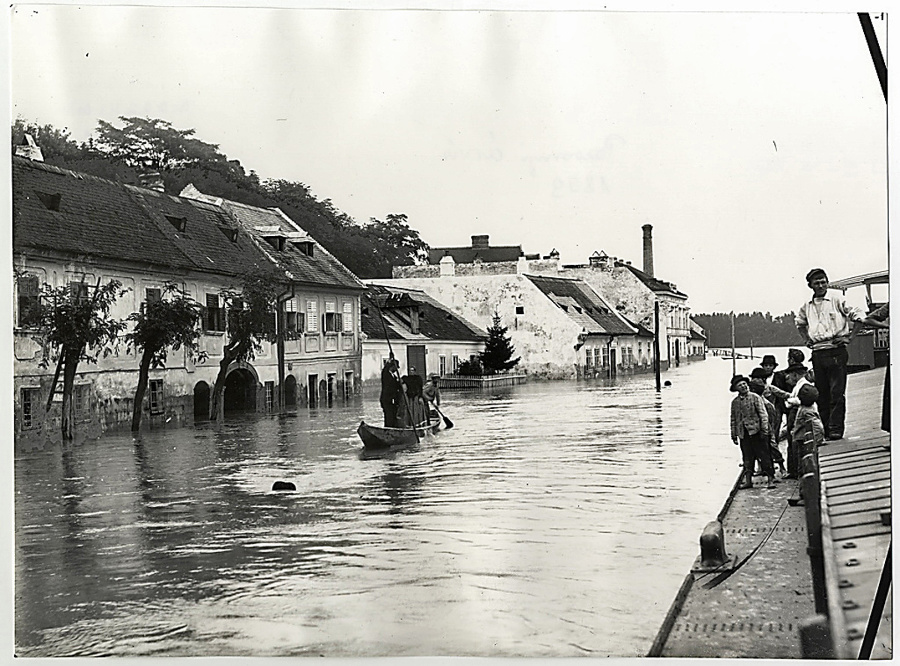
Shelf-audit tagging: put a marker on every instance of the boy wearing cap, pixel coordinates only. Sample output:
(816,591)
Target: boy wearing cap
(826,324)
(808,416)
(750,429)
(758,386)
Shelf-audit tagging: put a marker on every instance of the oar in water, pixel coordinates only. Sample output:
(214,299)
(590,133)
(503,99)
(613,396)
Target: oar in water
(447,422)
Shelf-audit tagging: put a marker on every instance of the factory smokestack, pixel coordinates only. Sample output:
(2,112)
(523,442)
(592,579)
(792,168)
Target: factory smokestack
(648,249)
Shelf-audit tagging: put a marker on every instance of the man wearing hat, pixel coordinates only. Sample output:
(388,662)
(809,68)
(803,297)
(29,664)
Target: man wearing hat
(826,323)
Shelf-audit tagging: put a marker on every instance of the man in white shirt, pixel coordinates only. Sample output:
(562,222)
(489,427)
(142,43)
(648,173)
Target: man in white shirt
(826,323)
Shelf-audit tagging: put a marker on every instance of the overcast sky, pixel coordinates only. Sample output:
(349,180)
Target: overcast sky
(754,143)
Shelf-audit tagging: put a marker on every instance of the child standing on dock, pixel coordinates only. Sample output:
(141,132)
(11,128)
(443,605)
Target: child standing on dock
(750,429)
(807,418)
(758,386)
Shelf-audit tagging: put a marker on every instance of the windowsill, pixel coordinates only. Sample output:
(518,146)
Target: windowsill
(27,329)
(216,334)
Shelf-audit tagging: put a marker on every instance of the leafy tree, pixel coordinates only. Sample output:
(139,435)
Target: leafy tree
(470,368)
(77,327)
(396,244)
(152,144)
(498,350)
(169,323)
(251,321)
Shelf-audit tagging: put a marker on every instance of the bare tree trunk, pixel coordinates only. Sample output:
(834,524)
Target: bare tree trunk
(143,375)
(217,399)
(70,366)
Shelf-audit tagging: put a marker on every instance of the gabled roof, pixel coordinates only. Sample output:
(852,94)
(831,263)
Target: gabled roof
(318,268)
(583,305)
(436,322)
(468,255)
(642,331)
(655,285)
(64,211)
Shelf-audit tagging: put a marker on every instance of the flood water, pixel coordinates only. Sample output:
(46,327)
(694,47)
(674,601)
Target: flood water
(555,519)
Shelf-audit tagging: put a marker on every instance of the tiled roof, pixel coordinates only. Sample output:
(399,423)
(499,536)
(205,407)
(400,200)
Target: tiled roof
(595,316)
(467,255)
(436,322)
(653,283)
(642,331)
(319,269)
(94,217)
(101,218)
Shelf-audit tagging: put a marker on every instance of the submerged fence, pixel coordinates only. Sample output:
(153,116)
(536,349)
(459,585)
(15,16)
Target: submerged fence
(481,381)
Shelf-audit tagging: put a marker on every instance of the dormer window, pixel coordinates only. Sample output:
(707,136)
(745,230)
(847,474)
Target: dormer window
(273,235)
(301,241)
(230,233)
(180,223)
(50,201)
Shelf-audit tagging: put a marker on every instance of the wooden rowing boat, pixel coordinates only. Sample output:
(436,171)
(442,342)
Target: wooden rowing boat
(377,437)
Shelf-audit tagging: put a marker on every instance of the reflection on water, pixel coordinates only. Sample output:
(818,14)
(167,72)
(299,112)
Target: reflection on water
(554,520)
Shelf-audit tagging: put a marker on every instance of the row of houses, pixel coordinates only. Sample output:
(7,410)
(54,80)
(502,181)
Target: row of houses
(335,331)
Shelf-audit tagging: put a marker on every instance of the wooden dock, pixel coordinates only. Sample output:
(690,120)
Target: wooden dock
(802,578)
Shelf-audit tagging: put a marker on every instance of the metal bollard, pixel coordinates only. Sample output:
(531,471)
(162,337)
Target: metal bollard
(815,638)
(713,556)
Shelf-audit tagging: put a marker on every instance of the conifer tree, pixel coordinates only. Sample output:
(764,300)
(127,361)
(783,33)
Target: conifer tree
(498,350)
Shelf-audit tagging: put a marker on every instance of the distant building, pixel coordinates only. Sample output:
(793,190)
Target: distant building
(480,251)
(420,332)
(632,292)
(553,323)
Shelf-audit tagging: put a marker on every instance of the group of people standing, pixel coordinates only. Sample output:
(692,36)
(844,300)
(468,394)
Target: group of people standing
(812,400)
(405,400)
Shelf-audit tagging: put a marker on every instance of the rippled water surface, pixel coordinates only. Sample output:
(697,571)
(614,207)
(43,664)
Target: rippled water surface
(556,519)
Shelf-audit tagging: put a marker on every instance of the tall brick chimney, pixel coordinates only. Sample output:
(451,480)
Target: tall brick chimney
(648,249)
(481,241)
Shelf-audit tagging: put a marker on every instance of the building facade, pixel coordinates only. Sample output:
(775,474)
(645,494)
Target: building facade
(423,336)
(80,230)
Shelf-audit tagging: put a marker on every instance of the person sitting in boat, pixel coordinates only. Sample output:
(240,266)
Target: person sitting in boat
(390,391)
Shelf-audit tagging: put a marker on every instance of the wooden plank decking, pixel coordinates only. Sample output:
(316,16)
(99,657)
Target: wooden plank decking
(757,610)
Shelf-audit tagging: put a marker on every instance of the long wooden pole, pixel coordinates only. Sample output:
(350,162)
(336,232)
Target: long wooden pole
(656,344)
(391,352)
(875,51)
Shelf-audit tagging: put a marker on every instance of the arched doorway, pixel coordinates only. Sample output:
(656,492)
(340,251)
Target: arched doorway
(240,391)
(201,401)
(290,391)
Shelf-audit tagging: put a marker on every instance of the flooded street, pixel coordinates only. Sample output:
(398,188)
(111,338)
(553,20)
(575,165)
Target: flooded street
(556,519)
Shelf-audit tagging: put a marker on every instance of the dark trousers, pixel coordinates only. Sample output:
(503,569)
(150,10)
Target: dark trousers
(753,448)
(390,413)
(886,401)
(830,366)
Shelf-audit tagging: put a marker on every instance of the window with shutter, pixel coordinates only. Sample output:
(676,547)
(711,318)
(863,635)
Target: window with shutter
(78,291)
(213,317)
(347,318)
(312,317)
(29,301)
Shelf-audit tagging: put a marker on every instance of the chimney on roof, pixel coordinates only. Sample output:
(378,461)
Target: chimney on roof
(481,241)
(29,149)
(648,249)
(152,180)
